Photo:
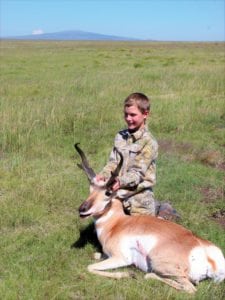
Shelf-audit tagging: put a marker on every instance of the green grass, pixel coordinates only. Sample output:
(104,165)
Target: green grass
(56,93)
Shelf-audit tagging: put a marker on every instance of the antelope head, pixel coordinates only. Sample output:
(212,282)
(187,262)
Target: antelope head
(101,193)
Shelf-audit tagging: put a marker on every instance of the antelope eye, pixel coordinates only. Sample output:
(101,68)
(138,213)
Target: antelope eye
(108,193)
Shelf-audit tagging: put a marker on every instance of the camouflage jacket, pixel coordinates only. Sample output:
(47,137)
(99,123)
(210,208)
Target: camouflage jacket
(139,151)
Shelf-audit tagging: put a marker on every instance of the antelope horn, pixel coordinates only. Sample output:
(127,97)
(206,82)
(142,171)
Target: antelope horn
(115,173)
(85,165)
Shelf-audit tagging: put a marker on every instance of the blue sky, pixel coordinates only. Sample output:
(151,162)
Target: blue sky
(182,20)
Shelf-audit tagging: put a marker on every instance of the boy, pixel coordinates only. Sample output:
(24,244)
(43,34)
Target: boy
(140,150)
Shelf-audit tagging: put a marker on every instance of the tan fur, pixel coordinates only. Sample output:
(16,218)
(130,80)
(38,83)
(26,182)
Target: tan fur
(170,244)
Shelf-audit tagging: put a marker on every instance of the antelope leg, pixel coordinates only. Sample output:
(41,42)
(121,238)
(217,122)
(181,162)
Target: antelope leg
(109,263)
(179,283)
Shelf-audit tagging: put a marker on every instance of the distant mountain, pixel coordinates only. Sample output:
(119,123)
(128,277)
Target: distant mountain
(72,35)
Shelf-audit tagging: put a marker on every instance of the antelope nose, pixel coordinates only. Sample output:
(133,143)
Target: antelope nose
(84,207)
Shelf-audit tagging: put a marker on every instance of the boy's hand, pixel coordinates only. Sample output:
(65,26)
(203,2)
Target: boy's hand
(116,185)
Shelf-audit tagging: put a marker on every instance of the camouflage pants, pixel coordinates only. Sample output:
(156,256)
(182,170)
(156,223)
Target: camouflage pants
(141,204)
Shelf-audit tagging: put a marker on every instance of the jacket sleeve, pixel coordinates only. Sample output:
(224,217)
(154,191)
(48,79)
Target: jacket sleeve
(141,167)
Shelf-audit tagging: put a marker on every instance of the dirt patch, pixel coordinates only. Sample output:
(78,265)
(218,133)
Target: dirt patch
(210,158)
(211,195)
(170,146)
(221,166)
(187,152)
(219,217)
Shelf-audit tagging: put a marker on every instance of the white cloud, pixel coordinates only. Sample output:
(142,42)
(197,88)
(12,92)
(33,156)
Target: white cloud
(37,31)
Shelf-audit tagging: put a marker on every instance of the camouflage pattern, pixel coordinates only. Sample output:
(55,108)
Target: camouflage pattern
(138,173)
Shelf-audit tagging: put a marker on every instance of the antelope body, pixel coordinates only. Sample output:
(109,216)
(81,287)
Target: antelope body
(164,250)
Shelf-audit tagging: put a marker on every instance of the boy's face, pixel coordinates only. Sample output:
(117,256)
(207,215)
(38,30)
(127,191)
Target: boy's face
(134,118)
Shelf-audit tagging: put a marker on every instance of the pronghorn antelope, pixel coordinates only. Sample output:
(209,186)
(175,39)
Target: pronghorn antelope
(164,250)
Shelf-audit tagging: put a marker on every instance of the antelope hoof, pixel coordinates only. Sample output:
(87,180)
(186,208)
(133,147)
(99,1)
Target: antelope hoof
(97,255)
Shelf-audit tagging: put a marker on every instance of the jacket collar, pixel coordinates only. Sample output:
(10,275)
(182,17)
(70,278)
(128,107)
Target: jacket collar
(138,134)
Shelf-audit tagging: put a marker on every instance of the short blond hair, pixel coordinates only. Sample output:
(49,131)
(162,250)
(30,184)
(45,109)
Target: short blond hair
(138,99)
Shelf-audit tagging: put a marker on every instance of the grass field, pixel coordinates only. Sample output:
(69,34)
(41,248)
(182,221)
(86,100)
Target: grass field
(56,93)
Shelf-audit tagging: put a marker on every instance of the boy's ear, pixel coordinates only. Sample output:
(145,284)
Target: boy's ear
(146,113)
